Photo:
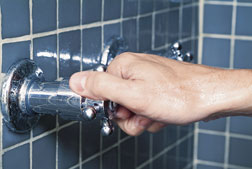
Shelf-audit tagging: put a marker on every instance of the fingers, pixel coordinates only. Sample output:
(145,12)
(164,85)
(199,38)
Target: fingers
(134,125)
(104,86)
(155,127)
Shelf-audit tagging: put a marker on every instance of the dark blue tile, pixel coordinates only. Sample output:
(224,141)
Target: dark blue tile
(159,162)
(174,3)
(91,11)
(143,148)
(158,141)
(10,138)
(146,6)
(15,18)
(130,34)
(187,22)
(242,57)
(161,24)
(68,148)
(112,139)
(185,152)
(45,55)
(90,139)
(14,52)
(94,163)
(196,20)
(111,30)
(171,158)
(217,19)
(243,23)
(184,130)
(173,26)
(147,166)
(91,47)
(211,147)
(217,125)
(46,123)
(216,52)
(187,46)
(244,1)
(171,134)
(109,159)
(130,8)
(43,15)
(161,4)
(69,13)
(241,125)
(220,0)
(200,166)
(145,33)
(127,156)
(69,53)
(112,10)
(17,158)
(240,152)
(44,152)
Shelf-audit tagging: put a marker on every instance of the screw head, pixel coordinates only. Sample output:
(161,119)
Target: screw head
(107,127)
(177,46)
(100,68)
(189,56)
(89,113)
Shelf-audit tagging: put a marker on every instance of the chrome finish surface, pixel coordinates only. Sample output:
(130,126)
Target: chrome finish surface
(26,96)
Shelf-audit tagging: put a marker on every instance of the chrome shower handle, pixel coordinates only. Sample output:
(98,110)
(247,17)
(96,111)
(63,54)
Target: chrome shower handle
(26,95)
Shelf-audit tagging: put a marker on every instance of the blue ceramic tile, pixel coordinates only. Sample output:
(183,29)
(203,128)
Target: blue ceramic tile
(45,55)
(216,52)
(240,152)
(69,53)
(91,11)
(241,125)
(147,166)
(243,23)
(143,143)
(130,8)
(195,51)
(43,15)
(171,135)
(112,10)
(187,22)
(130,34)
(112,139)
(217,19)
(171,158)
(219,0)
(94,163)
(44,152)
(196,20)
(111,30)
(110,158)
(10,138)
(174,3)
(158,141)
(68,148)
(184,130)
(145,33)
(185,152)
(200,166)
(242,57)
(69,13)
(90,139)
(46,123)
(91,47)
(161,23)
(15,18)
(244,1)
(14,52)
(217,125)
(128,154)
(17,158)
(173,26)
(211,147)
(146,6)
(187,46)
(159,162)
(160,4)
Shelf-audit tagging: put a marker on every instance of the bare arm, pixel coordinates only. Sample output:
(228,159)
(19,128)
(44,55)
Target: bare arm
(154,91)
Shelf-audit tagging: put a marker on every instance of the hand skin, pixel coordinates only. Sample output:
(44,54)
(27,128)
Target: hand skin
(154,91)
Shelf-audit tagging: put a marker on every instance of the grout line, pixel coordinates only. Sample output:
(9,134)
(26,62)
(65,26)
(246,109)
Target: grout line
(223,36)
(150,151)
(200,43)
(217,164)
(180,21)
(80,123)
(195,145)
(228,3)
(153,30)
(165,150)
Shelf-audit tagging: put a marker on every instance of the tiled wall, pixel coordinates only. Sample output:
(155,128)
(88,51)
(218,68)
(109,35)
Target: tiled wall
(225,40)
(65,36)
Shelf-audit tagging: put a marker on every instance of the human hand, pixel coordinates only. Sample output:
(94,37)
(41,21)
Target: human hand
(153,91)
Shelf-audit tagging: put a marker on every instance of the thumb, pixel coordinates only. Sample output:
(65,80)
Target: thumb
(104,86)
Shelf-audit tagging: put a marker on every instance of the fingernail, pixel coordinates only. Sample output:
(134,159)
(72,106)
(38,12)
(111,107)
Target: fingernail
(144,122)
(77,82)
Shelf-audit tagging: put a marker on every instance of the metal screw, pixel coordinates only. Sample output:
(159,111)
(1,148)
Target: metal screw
(107,127)
(89,113)
(188,56)
(100,68)
(177,46)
